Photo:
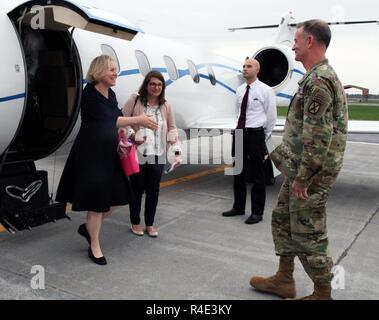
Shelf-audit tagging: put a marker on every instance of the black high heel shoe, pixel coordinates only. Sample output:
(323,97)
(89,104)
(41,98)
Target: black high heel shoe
(84,232)
(101,261)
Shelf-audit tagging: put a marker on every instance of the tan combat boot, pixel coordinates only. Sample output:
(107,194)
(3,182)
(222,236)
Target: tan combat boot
(282,283)
(320,292)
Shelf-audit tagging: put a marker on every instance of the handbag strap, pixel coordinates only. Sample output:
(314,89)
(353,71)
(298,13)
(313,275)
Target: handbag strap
(135,102)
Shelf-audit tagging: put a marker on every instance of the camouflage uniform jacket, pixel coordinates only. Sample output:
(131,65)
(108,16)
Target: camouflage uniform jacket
(315,132)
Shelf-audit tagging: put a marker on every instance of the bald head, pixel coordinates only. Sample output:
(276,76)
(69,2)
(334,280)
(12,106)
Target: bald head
(251,69)
(253,62)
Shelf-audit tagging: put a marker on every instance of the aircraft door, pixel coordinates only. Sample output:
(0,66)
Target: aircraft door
(12,84)
(53,71)
(62,15)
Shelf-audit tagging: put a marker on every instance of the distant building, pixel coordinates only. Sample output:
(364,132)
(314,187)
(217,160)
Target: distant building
(364,92)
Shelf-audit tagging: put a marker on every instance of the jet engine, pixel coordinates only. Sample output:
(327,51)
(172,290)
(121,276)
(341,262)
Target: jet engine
(279,69)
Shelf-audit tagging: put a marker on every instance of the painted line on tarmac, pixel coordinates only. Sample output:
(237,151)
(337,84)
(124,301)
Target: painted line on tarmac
(176,181)
(167,183)
(191,177)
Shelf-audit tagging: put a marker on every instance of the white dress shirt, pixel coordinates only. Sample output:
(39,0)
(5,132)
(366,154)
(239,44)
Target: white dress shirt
(153,144)
(261,106)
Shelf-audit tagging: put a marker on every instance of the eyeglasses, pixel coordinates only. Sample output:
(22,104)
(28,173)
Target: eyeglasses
(152,84)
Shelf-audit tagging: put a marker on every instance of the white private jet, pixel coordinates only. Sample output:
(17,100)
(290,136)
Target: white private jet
(40,113)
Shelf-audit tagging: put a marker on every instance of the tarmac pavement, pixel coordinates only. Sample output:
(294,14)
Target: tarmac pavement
(198,255)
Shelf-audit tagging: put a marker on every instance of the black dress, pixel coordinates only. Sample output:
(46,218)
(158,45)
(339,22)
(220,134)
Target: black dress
(92,179)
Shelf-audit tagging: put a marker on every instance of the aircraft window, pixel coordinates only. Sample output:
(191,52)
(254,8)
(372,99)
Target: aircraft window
(107,49)
(143,62)
(212,77)
(171,68)
(193,71)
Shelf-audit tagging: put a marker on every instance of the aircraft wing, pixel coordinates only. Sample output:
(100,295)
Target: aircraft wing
(354,126)
(229,123)
(363,126)
(215,123)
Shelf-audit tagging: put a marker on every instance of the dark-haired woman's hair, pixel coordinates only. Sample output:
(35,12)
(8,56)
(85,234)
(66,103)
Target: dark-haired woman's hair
(143,89)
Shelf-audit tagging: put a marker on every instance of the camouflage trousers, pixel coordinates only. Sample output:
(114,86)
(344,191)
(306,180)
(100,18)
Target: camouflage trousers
(299,228)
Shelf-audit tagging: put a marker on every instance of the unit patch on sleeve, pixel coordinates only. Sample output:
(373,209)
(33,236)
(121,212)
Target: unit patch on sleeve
(314,107)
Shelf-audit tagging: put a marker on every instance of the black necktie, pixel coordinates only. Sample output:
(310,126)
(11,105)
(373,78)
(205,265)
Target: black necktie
(242,119)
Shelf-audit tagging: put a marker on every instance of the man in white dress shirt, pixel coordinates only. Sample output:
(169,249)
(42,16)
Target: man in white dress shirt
(256,110)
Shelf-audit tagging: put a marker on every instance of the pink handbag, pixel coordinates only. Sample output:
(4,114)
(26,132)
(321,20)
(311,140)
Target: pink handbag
(127,153)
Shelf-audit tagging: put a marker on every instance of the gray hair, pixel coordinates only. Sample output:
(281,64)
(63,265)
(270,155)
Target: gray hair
(317,28)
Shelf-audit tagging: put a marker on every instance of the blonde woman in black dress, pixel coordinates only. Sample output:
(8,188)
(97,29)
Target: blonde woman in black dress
(92,179)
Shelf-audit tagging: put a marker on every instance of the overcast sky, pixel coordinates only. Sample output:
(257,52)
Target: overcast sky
(354,51)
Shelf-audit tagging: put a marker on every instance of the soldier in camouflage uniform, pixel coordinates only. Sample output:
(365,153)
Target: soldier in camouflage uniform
(310,157)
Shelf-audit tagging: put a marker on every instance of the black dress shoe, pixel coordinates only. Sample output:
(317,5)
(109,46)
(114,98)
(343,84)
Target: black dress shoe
(102,261)
(84,232)
(233,212)
(254,218)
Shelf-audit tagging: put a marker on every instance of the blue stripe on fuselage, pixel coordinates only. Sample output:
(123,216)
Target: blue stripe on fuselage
(128,72)
(15,97)
(181,73)
(185,72)
(283,95)
(220,83)
(298,71)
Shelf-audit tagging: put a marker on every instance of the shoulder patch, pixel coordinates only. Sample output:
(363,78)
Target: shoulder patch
(317,102)
(314,107)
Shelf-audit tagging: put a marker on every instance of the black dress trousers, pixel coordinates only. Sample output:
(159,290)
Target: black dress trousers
(254,152)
